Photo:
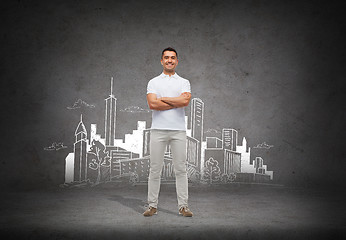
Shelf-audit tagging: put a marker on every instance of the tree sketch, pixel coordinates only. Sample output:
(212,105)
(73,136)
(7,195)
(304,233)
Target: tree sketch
(100,161)
(212,171)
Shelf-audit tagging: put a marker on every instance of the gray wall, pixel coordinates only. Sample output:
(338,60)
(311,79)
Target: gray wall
(272,70)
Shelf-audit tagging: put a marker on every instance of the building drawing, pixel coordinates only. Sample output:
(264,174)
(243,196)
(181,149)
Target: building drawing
(118,154)
(212,159)
(193,152)
(80,152)
(197,117)
(110,118)
(139,166)
(214,142)
(146,142)
(230,139)
(246,165)
(231,162)
(69,168)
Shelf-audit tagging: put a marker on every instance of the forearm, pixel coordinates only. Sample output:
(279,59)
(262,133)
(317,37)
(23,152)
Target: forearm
(176,102)
(159,105)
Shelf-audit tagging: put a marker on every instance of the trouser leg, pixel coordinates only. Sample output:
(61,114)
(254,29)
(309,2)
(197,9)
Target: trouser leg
(158,143)
(178,147)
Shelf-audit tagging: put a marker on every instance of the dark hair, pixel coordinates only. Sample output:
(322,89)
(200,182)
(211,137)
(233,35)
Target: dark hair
(169,49)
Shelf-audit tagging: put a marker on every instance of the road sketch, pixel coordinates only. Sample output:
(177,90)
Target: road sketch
(211,160)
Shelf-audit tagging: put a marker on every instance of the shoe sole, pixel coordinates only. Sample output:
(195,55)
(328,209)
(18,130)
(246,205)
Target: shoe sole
(184,216)
(150,215)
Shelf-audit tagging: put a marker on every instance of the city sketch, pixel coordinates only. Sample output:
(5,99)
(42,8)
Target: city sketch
(98,157)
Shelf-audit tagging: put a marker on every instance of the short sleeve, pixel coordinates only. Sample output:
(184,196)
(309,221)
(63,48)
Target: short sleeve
(186,86)
(150,88)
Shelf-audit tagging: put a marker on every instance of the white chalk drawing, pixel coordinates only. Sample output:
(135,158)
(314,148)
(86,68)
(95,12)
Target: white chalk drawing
(79,104)
(211,171)
(263,145)
(211,130)
(55,146)
(134,109)
(211,160)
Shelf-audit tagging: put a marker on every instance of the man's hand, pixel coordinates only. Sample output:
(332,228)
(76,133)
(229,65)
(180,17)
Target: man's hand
(156,103)
(166,103)
(182,101)
(185,95)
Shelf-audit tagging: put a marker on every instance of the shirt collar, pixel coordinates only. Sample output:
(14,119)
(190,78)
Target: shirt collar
(175,75)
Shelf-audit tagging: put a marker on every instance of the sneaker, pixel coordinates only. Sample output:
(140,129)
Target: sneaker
(185,211)
(150,212)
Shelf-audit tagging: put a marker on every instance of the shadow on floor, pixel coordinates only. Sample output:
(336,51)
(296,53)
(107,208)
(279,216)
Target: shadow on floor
(137,205)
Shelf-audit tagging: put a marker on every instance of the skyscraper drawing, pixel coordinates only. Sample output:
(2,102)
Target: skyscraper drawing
(197,116)
(245,152)
(192,152)
(230,139)
(110,118)
(231,161)
(146,142)
(259,165)
(80,152)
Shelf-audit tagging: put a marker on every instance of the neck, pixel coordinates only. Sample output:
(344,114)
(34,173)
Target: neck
(169,73)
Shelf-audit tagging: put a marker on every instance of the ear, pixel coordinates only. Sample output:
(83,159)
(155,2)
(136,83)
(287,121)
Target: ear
(161,62)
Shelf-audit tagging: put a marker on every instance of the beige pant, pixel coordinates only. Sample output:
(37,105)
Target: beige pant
(159,139)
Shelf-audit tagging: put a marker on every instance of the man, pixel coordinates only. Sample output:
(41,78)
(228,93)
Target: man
(167,95)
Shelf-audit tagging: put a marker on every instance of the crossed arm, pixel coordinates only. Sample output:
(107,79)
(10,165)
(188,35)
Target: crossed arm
(166,103)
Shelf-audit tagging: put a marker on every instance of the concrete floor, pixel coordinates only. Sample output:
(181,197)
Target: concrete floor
(220,212)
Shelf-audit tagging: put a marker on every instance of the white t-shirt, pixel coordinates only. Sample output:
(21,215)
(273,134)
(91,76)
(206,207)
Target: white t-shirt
(168,86)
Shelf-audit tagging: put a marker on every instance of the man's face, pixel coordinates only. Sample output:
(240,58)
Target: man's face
(169,61)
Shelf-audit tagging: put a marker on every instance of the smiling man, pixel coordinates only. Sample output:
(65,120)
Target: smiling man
(167,95)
